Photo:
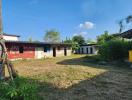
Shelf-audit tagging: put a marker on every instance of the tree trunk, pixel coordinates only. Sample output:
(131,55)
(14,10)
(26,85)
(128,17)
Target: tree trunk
(2,72)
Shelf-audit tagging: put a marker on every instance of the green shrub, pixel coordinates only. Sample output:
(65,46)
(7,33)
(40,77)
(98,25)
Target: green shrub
(19,89)
(115,50)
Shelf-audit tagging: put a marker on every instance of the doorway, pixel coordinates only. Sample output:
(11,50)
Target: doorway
(91,50)
(54,52)
(65,52)
(87,51)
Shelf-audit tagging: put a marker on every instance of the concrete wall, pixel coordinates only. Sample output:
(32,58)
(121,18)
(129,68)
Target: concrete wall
(11,38)
(39,52)
(87,50)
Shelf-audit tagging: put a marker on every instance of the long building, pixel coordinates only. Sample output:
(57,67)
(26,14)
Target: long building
(87,49)
(34,50)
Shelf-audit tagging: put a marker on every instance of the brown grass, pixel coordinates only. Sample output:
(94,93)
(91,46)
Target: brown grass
(74,78)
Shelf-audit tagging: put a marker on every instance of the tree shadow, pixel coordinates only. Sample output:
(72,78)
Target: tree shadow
(94,61)
(105,86)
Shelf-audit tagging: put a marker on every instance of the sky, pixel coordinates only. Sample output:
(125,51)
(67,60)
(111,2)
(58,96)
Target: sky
(89,18)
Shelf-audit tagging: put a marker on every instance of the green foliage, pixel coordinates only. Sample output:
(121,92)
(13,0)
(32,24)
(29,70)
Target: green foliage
(19,89)
(115,50)
(67,40)
(90,41)
(75,42)
(30,39)
(52,36)
(75,46)
(104,38)
(78,39)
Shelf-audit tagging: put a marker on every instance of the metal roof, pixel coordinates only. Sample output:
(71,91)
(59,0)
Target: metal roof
(10,35)
(126,34)
(91,44)
(38,43)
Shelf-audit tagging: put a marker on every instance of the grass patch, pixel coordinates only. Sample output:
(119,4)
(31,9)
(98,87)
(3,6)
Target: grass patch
(77,77)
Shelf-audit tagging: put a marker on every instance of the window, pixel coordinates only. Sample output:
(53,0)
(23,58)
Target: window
(46,49)
(87,51)
(21,50)
(82,51)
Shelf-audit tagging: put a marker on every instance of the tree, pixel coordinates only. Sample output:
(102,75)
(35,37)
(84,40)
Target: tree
(52,36)
(30,39)
(78,39)
(123,22)
(90,41)
(104,38)
(67,40)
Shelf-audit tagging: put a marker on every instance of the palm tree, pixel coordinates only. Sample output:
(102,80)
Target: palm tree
(126,20)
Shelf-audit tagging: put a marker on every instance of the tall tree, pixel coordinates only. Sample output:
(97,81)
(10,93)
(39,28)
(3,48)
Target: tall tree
(67,40)
(78,39)
(104,38)
(30,39)
(123,22)
(52,36)
(89,40)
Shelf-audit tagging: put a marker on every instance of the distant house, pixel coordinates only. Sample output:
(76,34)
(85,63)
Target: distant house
(87,49)
(17,49)
(9,37)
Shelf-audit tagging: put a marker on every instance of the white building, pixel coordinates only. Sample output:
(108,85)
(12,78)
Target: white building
(9,37)
(87,49)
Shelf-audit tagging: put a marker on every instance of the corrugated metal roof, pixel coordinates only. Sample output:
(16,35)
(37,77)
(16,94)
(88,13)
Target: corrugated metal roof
(11,35)
(39,43)
(126,34)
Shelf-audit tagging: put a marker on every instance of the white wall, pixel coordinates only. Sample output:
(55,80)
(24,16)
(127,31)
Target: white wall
(11,38)
(94,50)
(39,52)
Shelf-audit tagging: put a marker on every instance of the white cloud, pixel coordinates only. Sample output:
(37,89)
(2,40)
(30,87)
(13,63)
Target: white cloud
(75,34)
(80,33)
(86,25)
(83,33)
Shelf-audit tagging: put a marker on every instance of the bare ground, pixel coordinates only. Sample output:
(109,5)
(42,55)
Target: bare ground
(75,78)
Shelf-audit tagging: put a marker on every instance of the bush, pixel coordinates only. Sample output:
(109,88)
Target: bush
(19,89)
(115,50)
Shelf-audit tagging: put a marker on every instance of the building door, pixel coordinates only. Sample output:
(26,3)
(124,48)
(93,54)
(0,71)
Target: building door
(87,51)
(82,51)
(54,52)
(65,52)
(91,50)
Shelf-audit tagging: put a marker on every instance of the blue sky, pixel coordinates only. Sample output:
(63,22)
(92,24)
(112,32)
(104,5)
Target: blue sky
(90,18)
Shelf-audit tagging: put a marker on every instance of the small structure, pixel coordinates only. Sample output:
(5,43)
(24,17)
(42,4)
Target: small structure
(34,50)
(10,37)
(87,49)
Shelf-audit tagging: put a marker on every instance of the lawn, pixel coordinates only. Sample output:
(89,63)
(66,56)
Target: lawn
(76,78)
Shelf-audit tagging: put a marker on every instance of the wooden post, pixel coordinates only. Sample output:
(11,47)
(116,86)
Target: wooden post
(2,71)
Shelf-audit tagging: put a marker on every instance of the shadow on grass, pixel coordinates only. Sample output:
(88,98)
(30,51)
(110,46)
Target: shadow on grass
(111,86)
(95,61)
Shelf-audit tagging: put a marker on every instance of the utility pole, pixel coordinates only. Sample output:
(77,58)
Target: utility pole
(1,16)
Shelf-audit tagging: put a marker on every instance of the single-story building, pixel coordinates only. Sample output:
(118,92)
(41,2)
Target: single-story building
(34,50)
(87,49)
(126,34)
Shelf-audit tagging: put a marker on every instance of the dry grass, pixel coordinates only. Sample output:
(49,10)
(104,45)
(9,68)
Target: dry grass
(74,78)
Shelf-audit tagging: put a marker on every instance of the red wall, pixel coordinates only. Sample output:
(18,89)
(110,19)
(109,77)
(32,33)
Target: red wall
(13,51)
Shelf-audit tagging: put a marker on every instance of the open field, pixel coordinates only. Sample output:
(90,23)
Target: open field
(75,78)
